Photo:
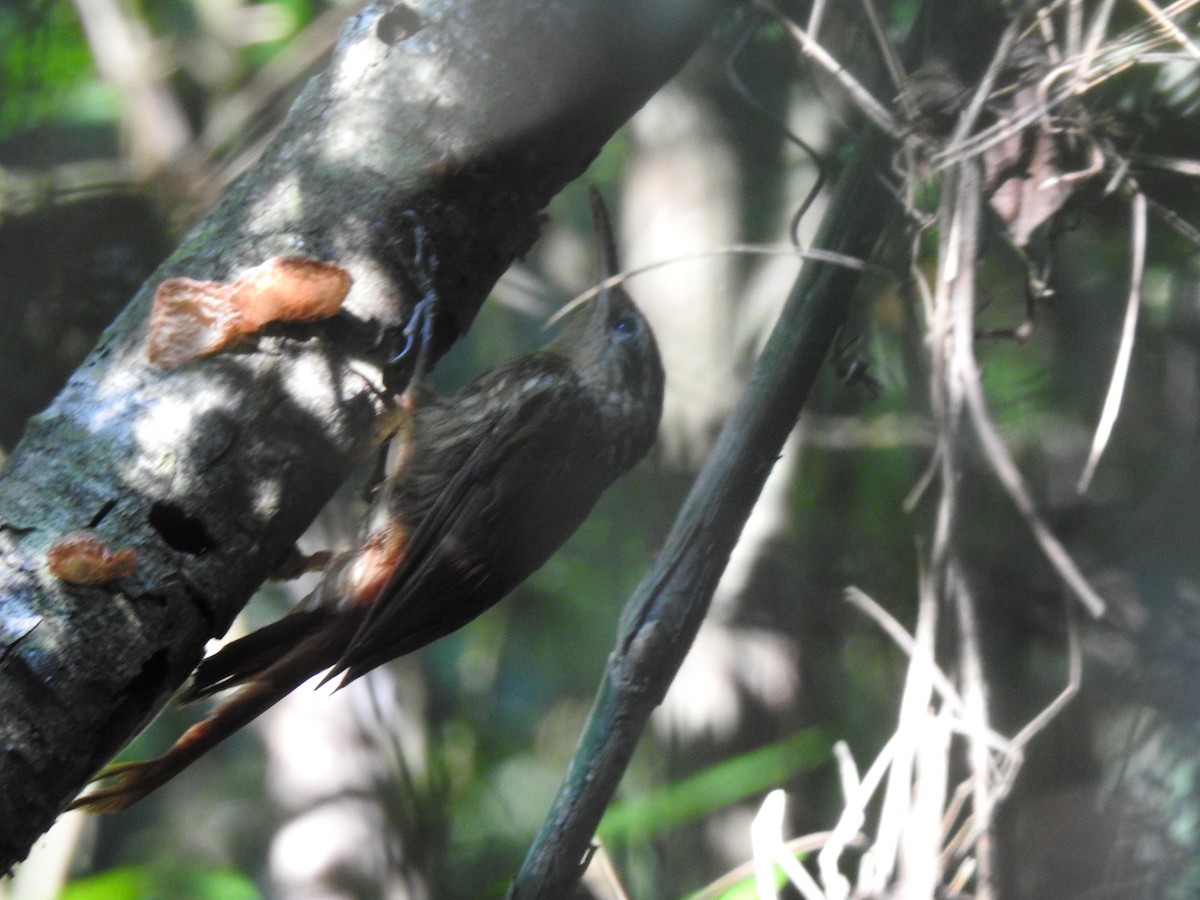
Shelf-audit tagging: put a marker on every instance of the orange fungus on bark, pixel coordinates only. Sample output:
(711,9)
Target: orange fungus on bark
(83,557)
(192,319)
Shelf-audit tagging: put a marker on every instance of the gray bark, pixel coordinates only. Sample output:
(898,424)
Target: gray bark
(463,115)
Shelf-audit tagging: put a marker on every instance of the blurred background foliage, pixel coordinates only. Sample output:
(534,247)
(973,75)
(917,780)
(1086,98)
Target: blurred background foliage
(122,121)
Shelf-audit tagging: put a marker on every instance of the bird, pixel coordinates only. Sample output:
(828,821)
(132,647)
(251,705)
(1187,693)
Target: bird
(478,490)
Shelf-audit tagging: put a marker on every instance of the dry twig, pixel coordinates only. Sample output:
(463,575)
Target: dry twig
(1116,387)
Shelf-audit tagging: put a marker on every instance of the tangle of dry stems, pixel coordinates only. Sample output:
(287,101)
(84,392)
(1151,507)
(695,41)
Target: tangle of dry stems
(930,836)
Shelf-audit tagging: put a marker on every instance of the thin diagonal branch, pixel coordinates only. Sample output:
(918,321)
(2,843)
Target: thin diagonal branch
(661,619)
(866,102)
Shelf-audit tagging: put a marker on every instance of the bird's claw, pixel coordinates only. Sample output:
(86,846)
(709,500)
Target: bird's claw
(421,265)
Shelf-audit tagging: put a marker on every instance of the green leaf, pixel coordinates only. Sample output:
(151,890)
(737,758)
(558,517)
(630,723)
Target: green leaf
(714,788)
(154,882)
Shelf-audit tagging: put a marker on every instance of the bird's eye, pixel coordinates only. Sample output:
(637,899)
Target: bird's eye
(625,325)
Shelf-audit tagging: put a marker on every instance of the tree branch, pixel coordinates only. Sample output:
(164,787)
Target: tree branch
(464,116)
(660,621)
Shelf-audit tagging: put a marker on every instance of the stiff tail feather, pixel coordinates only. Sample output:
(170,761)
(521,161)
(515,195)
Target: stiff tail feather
(242,660)
(130,782)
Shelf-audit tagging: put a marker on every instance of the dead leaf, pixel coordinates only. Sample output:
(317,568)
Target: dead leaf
(1026,173)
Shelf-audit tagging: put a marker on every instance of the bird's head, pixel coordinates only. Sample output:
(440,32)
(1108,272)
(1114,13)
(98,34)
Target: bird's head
(612,347)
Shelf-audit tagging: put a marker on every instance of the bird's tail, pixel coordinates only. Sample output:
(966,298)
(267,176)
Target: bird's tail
(268,670)
(242,660)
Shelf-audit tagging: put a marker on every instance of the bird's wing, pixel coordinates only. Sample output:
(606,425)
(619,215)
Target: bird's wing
(438,587)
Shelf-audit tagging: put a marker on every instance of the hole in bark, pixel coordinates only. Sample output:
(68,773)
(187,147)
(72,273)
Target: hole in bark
(398,23)
(150,677)
(180,531)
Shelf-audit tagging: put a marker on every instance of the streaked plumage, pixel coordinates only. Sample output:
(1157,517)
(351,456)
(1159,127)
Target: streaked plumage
(481,488)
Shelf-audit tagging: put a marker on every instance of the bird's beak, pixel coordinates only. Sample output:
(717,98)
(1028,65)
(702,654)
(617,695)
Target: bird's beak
(607,253)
